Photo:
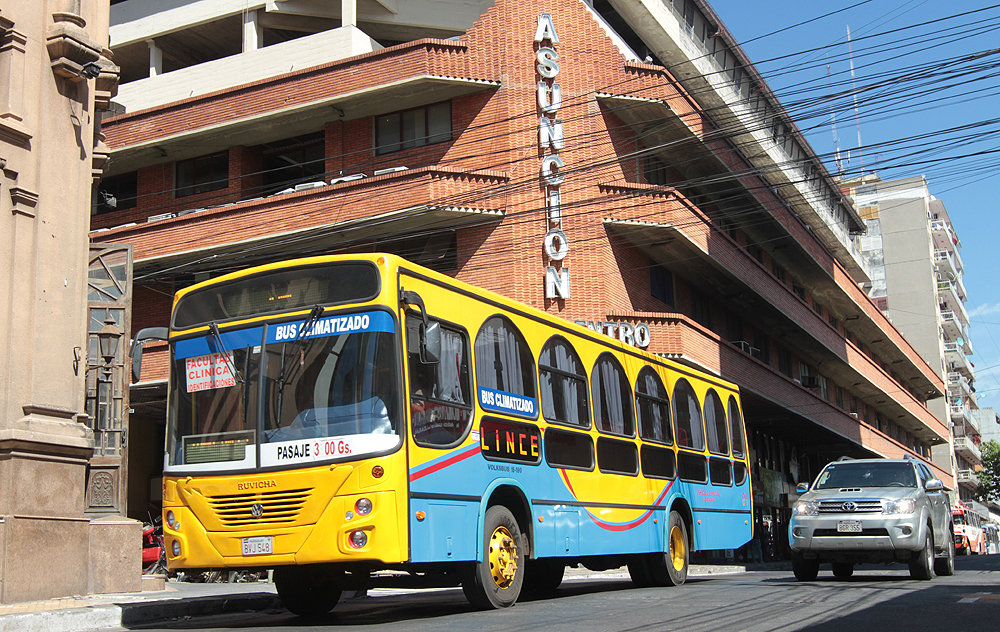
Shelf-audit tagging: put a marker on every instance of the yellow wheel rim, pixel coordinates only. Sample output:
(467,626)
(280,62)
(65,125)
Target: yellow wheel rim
(678,555)
(503,557)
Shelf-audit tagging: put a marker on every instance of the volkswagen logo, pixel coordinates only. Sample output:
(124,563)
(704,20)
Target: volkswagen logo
(848,506)
(257,510)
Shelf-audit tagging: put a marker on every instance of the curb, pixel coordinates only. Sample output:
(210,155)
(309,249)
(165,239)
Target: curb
(126,614)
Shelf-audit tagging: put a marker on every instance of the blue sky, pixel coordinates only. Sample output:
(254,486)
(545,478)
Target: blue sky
(887,43)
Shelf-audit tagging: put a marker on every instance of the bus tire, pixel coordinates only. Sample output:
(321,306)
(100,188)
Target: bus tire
(638,570)
(496,581)
(542,576)
(671,568)
(307,591)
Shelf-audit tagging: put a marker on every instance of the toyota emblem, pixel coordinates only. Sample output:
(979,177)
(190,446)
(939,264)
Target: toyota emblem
(848,506)
(257,510)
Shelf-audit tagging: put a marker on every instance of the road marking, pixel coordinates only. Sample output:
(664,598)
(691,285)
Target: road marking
(969,600)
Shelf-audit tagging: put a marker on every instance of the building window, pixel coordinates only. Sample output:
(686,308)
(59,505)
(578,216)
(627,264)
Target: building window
(799,290)
(612,395)
(734,328)
(413,128)
(440,404)
(202,174)
(655,170)
(117,193)
(701,309)
(785,361)
(777,271)
(756,252)
(661,283)
(292,161)
(503,359)
(653,407)
(840,396)
(563,384)
(762,345)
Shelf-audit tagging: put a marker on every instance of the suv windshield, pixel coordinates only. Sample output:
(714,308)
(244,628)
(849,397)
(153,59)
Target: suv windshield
(329,391)
(867,474)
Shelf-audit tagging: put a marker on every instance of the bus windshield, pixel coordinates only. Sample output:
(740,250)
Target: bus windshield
(296,386)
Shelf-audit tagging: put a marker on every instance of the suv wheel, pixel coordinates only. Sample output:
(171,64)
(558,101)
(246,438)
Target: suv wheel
(922,563)
(805,570)
(842,570)
(945,566)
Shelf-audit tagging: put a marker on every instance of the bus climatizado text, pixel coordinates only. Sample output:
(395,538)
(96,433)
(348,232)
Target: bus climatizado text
(333,417)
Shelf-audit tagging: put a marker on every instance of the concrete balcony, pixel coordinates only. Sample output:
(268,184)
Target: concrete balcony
(953,328)
(957,361)
(247,67)
(944,236)
(958,386)
(950,299)
(968,450)
(945,265)
(968,478)
(960,414)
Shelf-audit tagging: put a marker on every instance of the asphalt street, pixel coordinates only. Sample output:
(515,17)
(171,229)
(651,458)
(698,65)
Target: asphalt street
(879,598)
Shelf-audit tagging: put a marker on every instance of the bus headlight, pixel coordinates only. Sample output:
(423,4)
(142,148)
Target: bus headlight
(363,507)
(805,508)
(175,548)
(358,539)
(172,522)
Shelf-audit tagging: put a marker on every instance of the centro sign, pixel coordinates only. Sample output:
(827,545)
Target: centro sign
(636,335)
(550,139)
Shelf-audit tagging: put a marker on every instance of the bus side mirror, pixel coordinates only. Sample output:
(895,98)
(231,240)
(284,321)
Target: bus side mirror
(802,488)
(149,333)
(934,485)
(430,345)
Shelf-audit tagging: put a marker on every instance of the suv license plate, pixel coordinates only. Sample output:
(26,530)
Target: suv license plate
(263,545)
(844,526)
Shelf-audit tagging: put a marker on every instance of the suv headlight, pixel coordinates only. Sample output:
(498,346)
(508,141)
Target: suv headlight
(805,508)
(900,506)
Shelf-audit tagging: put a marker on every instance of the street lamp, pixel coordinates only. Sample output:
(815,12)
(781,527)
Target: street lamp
(108,338)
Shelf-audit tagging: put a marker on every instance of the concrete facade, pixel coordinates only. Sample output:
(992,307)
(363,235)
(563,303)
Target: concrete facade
(914,253)
(678,212)
(49,156)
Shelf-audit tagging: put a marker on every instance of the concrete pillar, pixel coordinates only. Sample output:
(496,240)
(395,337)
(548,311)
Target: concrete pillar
(253,32)
(349,12)
(155,58)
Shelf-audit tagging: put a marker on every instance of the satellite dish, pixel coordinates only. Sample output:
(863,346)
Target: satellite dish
(961,342)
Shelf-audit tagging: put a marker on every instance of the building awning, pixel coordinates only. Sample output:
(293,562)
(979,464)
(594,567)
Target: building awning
(313,240)
(303,118)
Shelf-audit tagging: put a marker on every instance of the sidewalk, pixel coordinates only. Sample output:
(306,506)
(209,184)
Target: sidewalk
(182,599)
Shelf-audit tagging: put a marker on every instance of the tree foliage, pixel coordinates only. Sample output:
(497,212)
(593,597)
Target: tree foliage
(989,478)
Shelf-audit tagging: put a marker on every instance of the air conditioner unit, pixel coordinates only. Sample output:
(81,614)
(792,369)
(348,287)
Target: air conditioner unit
(350,178)
(306,186)
(156,218)
(188,211)
(810,381)
(382,172)
(756,353)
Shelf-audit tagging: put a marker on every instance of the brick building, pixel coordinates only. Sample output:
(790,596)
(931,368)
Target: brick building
(619,163)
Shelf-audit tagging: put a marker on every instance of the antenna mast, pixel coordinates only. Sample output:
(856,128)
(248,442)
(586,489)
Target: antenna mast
(854,91)
(833,123)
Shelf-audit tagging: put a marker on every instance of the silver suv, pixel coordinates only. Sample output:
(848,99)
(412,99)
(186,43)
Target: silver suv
(872,510)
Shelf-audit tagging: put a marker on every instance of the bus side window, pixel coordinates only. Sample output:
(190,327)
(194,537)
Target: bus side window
(736,428)
(687,417)
(440,405)
(715,424)
(612,396)
(563,384)
(652,407)
(504,361)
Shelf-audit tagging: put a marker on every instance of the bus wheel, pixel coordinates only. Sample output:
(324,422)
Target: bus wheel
(542,576)
(496,581)
(671,568)
(307,591)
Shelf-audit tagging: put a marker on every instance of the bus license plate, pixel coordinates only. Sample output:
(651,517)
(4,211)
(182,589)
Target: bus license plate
(263,545)
(849,526)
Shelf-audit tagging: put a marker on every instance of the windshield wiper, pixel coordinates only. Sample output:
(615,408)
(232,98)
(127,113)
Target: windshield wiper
(214,328)
(299,343)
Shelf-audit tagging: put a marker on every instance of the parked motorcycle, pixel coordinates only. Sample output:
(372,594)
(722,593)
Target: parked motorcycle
(154,554)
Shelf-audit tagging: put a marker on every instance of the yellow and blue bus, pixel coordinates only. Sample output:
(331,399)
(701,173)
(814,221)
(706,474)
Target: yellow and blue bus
(338,416)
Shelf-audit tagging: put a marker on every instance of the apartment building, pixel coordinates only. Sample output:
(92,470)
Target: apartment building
(619,163)
(914,253)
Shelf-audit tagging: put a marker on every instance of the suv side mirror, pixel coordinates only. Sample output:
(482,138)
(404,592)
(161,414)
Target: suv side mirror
(934,485)
(802,488)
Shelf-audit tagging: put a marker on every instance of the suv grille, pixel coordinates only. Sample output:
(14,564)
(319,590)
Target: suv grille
(234,510)
(860,506)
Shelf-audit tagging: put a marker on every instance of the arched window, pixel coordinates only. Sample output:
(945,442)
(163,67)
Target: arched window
(736,428)
(505,363)
(687,417)
(563,384)
(652,407)
(612,395)
(715,424)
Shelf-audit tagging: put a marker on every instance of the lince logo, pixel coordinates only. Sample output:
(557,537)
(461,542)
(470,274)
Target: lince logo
(550,138)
